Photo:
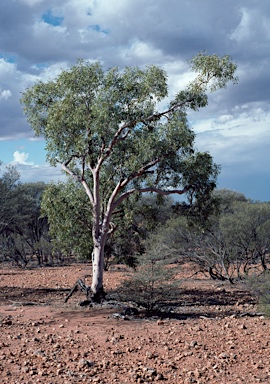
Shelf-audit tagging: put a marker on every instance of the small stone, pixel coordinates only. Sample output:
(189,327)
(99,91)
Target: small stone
(150,371)
(33,372)
(193,344)
(59,371)
(149,355)
(41,372)
(85,363)
(223,356)
(260,365)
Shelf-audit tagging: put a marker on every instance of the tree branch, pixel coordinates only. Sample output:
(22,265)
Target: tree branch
(140,172)
(130,124)
(117,137)
(152,189)
(79,179)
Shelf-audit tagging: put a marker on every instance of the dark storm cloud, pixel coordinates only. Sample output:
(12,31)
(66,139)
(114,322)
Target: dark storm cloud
(184,28)
(178,30)
(15,27)
(39,37)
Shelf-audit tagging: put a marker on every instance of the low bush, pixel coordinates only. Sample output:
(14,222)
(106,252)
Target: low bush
(260,285)
(153,282)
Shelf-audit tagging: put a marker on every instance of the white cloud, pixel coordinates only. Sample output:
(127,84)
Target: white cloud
(42,172)
(40,28)
(141,50)
(21,158)
(5,94)
(222,119)
(6,69)
(239,142)
(242,31)
(29,171)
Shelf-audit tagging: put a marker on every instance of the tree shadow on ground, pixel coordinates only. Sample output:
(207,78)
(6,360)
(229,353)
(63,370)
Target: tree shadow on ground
(39,295)
(179,304)
(206,297)
(183,303)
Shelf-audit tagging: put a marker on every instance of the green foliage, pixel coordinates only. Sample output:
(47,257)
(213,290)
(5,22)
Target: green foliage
(227,198)
(9,199)
(151,211)
(23,233)
(70,219)
(260,286)
(152,283)
(105,129)
(234,243)
(247,229)
(89,116)
(90,104)
(35,229)
(214,72)
(137,220)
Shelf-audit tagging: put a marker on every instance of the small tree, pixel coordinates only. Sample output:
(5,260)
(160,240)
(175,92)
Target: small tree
(23,233)
(247,229)
(106,132)
(233,242)
(260,286)
(152,283)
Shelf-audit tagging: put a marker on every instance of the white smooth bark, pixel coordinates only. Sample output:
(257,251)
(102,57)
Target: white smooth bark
(97,267)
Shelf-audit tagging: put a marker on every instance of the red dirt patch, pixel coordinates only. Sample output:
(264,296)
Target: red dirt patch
(204,338)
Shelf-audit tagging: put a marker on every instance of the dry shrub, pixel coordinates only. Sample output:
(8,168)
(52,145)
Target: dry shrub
(260,285)
(153,282)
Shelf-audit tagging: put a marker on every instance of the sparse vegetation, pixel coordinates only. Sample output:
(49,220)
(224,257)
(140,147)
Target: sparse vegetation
(260,286)
(231,245)
(153,282)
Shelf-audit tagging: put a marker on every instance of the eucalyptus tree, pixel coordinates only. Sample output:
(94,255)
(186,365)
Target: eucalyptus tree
(105,129)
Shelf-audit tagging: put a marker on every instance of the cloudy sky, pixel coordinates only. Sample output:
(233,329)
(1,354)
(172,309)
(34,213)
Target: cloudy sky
(38,38)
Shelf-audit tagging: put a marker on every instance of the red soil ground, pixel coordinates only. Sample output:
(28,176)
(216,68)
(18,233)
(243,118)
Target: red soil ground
(209,337)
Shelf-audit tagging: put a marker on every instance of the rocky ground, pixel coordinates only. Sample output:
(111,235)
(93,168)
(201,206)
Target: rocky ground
(212,334)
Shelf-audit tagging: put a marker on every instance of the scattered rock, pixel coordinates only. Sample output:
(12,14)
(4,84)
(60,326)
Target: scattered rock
(193,344)
(83,363)
(64,344)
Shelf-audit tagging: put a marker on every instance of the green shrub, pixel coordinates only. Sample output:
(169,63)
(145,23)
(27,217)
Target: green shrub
(260,285)
(153,282)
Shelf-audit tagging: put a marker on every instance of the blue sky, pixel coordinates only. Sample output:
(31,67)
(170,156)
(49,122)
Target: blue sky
(30,150)
(38,38)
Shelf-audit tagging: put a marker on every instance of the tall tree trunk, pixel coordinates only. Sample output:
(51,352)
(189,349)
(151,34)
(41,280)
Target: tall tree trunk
(97,268)
(100,231)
